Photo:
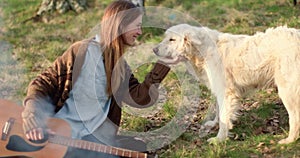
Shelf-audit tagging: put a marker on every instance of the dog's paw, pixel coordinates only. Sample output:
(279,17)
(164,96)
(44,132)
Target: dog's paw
(207,128)
(285,141)
(210,124)
(203,131)
(216,140)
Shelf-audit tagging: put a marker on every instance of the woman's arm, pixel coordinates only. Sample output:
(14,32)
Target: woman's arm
(48,89)
(145,94)
(38,104)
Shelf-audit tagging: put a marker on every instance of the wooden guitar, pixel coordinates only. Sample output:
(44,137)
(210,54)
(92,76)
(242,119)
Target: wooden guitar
(14,143)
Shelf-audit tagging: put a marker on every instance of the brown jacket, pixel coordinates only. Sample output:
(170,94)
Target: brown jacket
(56,82)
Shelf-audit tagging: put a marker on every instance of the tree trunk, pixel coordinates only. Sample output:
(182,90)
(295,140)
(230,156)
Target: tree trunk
(62,6)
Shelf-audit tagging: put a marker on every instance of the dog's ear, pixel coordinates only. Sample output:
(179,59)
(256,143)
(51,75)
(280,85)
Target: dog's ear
(192,38)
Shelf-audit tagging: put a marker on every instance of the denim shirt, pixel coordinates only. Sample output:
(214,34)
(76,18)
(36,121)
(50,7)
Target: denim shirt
(88,104)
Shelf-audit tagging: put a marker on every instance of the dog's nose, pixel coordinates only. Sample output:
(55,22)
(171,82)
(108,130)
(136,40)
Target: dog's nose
(155,50)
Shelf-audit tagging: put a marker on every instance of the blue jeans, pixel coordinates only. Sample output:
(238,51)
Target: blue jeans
(125,142)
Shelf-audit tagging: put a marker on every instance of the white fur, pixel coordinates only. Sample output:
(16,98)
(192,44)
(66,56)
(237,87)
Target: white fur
(234,65)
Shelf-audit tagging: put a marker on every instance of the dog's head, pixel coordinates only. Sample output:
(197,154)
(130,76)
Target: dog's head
(181,40)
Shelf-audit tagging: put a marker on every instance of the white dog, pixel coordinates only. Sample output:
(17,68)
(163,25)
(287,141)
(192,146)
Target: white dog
(234,65)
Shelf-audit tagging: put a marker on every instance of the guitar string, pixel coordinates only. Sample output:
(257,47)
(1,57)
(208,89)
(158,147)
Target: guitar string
(62,140)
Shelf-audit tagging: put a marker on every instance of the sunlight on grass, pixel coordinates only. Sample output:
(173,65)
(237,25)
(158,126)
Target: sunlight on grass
(263,121)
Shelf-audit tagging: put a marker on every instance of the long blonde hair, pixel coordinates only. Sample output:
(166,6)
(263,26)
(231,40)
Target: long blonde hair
(116,17)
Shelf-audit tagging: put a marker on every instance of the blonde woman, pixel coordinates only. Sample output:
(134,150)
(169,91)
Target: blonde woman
(87,84)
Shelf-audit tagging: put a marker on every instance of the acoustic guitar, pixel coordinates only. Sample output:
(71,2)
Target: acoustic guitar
(14,143)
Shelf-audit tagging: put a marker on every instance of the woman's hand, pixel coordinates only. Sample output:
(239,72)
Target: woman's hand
(38,133)
(35,134)
(35,117)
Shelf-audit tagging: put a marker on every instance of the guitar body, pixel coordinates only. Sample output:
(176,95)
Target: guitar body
(12,138)
(13,142)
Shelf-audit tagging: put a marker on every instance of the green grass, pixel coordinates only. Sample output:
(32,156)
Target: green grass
(36,44)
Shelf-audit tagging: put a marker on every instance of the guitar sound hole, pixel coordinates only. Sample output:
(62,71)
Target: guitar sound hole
(17,143)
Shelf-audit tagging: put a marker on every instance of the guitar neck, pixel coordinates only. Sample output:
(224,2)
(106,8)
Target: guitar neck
(81,144)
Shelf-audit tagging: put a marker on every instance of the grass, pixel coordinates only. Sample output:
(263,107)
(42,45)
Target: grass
(263,120)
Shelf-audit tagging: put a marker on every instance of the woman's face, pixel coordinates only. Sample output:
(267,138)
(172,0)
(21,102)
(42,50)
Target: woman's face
(132,31)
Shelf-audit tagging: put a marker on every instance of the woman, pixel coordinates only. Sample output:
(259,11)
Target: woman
(87,84)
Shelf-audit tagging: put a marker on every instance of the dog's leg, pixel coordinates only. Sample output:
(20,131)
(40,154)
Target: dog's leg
(287,79)
(214,109)
(227,112)
(211,120)
(291,102)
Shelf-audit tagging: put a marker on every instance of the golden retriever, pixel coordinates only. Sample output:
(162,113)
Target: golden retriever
(235,65)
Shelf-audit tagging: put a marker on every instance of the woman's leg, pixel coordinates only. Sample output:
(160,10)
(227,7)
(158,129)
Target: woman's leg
(80,153)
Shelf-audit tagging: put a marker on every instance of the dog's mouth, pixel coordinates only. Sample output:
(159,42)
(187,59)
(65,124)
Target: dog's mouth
(167,58)
(170,59)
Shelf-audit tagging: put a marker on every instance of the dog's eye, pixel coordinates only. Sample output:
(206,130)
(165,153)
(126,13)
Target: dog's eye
(172,39)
